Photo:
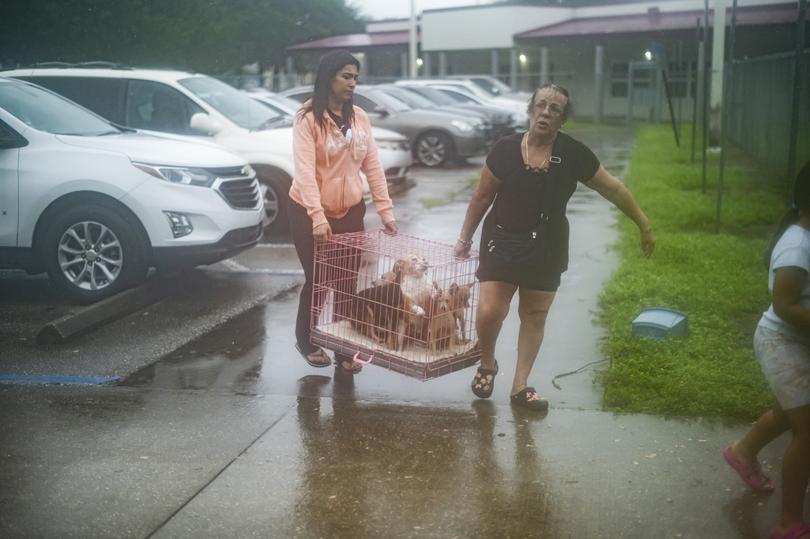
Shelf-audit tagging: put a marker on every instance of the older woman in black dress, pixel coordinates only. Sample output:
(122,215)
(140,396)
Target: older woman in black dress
(526,184)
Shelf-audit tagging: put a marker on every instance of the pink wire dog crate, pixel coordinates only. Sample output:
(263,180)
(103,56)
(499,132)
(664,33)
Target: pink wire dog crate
(401,302)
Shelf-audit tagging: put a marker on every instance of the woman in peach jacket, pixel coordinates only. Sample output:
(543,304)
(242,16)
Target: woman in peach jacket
(332,143)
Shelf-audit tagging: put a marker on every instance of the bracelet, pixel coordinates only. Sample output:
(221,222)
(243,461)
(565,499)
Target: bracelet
(465,243)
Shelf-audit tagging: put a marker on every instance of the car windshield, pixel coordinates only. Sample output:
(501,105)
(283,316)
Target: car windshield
(409,98)
(46,111)
(280,118)
(290,105)
(470,88)
(459,97)
(388,101)
(492,86)
(435,96)
(239,108)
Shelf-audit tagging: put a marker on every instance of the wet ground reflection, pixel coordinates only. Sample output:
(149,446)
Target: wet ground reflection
(228,358)
(416,470)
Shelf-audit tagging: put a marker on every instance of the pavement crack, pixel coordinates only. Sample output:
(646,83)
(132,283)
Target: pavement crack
(219,473)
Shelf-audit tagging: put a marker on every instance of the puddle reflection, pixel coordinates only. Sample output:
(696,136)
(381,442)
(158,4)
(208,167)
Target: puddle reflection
(415,469)
(229,359)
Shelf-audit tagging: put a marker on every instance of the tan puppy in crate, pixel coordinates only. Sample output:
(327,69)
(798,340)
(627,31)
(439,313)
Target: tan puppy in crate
(419,292)
(377,312)
(441,323)
(459,302)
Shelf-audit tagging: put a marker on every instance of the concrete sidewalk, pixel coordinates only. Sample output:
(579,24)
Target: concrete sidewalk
(234,435)
(133,462)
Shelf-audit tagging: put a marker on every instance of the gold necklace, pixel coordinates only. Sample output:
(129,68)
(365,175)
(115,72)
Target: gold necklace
(543,167)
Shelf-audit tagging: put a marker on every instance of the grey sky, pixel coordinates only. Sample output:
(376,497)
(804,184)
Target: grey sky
(401,9)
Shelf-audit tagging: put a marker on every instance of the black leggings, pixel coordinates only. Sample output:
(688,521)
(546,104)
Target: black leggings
(301,229)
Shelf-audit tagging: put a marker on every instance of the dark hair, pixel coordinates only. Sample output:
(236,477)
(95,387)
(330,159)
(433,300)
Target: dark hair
(801,204)
(556,88)
(328,67)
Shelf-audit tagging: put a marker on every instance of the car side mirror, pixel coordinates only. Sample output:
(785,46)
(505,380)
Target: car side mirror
(203,123)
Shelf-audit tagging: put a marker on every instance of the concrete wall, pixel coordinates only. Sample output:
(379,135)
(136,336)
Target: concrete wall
(484,27)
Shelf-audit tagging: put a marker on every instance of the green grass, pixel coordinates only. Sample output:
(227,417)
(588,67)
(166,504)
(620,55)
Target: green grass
(449,198)
(717,279)
(429,203)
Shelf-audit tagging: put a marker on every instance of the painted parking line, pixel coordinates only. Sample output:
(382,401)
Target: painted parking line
(233,265)
(274,246)
(57,380)
(248,271)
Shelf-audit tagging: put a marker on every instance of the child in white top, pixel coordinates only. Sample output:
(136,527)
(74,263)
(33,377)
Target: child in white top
(782,347)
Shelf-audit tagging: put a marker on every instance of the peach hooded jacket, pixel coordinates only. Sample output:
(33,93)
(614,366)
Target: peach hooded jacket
(327,178)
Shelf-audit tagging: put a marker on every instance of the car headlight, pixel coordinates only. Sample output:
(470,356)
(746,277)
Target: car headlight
(392,145)
(182,175)
(461,126)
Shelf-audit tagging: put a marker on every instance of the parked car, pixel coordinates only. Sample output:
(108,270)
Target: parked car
(187,106)
(494,87)
(435,136)
(462,96)
(96,205)
(394,149)
(472,89)
(417,102)
(502,122)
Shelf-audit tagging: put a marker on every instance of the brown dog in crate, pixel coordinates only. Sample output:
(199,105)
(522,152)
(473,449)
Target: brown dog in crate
(459,303)
(441,323)
(377,313)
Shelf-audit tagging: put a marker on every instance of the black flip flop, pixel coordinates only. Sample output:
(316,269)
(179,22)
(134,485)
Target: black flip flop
(523,398)
(480,380)
(318,352)
(341,359)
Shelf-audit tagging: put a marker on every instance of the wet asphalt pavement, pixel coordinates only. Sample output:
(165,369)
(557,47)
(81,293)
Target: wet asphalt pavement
(232,434)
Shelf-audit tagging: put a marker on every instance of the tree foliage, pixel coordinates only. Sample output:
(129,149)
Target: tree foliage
(201,35)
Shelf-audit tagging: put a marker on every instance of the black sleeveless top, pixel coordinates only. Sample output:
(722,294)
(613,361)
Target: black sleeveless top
(519,200)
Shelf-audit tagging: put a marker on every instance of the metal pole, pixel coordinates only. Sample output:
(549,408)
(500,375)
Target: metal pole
(598,78)
(705,95)
(513,68)
(697,87)
(725,107)
(412,41)
(797,82)
(679,60)
(545,69)
(671,112)
(630,93)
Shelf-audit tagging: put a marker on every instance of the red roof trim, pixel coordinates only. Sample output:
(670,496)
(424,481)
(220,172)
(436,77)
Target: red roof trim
(660,22)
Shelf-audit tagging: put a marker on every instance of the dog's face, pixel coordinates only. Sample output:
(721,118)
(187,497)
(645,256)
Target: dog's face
(412,266)
(442,302)
(460,295)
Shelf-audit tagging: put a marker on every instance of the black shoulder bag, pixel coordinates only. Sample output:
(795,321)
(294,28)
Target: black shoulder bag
(524,248)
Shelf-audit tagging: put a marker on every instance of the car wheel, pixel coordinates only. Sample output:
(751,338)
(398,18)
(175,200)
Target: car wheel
(274,190)
(433,149)
(91,251)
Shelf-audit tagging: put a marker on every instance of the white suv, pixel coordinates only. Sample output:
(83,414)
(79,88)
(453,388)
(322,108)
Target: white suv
(190,106)
(95,205)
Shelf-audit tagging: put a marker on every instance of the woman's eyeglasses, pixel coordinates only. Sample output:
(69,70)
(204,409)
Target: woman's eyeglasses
(553,108)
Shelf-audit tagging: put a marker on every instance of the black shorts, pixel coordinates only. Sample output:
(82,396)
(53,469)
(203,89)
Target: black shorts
(531,277)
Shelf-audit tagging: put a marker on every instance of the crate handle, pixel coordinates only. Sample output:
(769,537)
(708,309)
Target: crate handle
(360,361)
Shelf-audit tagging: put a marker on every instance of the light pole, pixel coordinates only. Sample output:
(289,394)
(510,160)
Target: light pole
(412,41)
